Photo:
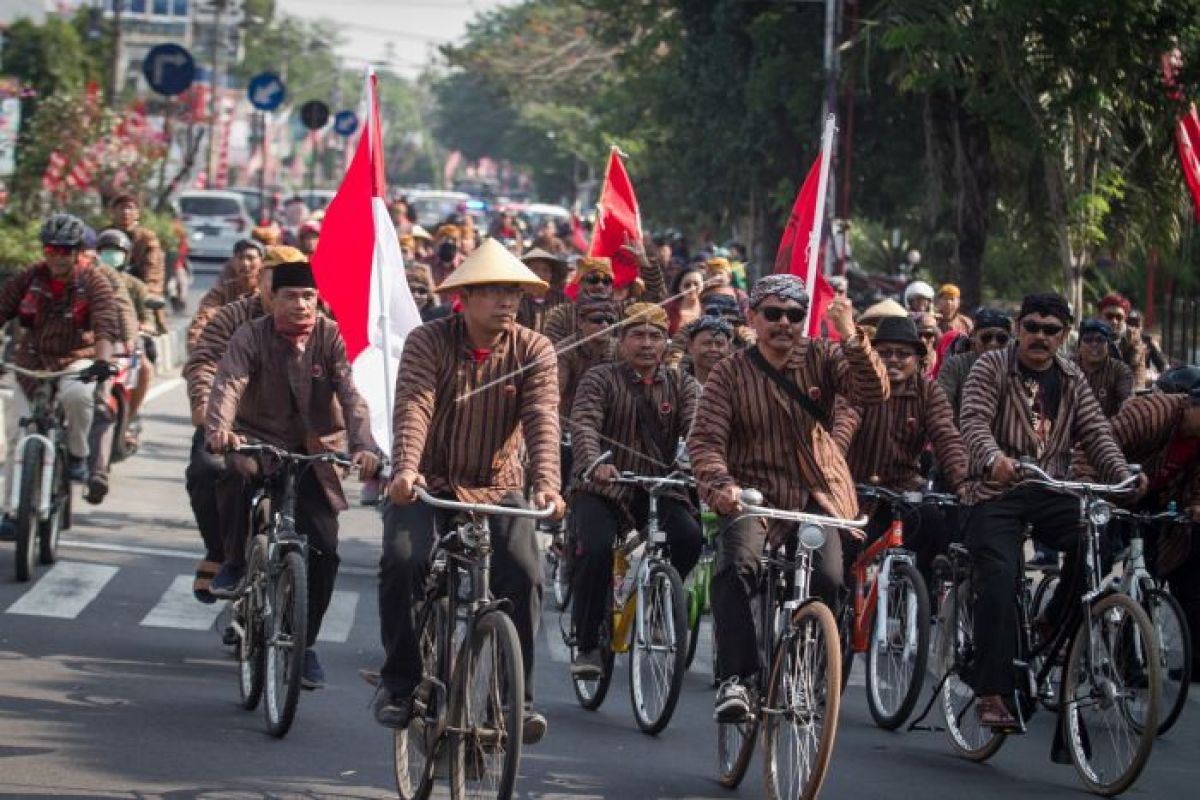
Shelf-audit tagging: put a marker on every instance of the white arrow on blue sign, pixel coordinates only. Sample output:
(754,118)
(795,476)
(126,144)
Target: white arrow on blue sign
(169,69)
(266,91)
(345,123)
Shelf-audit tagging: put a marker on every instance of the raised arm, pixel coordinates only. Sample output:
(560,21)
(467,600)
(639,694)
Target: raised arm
(857,371)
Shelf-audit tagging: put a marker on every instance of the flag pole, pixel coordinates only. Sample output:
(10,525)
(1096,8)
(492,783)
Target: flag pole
(818,227)
(382,289)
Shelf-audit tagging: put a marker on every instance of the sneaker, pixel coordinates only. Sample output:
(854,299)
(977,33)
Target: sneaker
(587,666)
(226,582)
(76,469)
(97,489)
(534,727)
(8,530)
(392,709)
(313,677)
(733,702)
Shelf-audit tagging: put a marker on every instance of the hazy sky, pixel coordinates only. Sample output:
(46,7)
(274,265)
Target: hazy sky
(413,27)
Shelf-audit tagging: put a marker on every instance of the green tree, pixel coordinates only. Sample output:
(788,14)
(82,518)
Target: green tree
(50,58)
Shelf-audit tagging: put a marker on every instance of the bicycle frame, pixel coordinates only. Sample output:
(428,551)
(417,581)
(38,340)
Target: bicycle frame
(871,597)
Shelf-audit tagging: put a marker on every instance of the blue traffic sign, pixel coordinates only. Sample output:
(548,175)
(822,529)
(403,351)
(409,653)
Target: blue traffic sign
(345,123)
(169,69)
(266,91)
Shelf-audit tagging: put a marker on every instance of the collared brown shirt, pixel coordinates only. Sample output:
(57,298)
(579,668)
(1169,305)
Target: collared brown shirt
(1111,382)
(616,410)
(231,286)
(886,439)
(749,432)
(573,364)
(300,400)
(206,353)
(460,421)
(997,420)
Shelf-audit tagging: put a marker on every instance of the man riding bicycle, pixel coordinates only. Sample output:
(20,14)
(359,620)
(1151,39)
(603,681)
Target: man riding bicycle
(763,423)
(70,320)
(638,409)
(471,390)
(1025,401)
(285,381)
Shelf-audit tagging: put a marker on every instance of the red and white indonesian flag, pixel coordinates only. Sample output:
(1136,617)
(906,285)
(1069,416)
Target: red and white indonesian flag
(360,274)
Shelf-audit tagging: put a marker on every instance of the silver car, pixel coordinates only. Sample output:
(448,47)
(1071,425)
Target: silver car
(215,221)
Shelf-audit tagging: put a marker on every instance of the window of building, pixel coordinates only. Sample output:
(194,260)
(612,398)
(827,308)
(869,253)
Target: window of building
(181,8)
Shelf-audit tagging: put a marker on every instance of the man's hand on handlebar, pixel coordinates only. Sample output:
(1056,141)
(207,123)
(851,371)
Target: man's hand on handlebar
(401,489)
(1005,470)
(222,441)
(1142,486)
(545,499)
(367,463)
(99,370)
(605,473)
(728,501)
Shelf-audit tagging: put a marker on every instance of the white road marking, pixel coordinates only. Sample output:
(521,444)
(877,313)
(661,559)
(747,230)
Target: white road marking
(64,591)
(858,672)
(191,555)
(178,609)
(339,618)
(160,389)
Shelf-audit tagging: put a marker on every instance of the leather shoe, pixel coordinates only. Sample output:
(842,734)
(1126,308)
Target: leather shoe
(993,713)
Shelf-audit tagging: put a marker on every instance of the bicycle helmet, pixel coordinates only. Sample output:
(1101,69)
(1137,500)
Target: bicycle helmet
(918,289)
(113,239)
(1181,380)
(63,230)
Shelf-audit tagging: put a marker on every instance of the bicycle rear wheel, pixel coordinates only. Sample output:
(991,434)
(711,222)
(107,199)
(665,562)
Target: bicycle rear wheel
(956,637)
(1175,654)
(1111,692)
(285,632)
(896,665)
(27,513)
(60,508)
(488,711)
(735,747)
(695,592)
(845,627)
(658,652)
(591,693)
(416,746)
(803,698)
(250,653)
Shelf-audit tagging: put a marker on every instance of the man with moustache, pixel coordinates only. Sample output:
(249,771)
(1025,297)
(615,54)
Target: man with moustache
(763,423)
(1025,401)
(639,409)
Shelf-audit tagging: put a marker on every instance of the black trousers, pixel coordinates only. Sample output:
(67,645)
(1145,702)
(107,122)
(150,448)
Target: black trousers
(925,533)
(736,576)
(408,543)
(203,471)
(316,520)
(995,536)
(1184,583)
(595,522)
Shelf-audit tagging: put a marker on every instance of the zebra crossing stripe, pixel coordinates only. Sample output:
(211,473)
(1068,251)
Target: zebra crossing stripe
(65,591)
(178,609)
(339,618)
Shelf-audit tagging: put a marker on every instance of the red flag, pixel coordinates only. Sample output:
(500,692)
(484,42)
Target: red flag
(617,221)
(793,250)
(360,273)
(578,240)
(1187,138)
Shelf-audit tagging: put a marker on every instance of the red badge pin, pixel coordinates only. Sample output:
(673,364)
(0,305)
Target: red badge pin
(317,371)
(814,393)
(665,408)
(510,390)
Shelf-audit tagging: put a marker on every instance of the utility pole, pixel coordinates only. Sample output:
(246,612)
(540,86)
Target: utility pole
(118,66)
(218,10)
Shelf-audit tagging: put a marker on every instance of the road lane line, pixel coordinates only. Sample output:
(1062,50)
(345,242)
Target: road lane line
(191,555)
(64,591)
(159,390)
(178,609)
(339,619)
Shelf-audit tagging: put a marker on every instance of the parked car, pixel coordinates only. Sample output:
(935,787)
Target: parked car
(433,206)
(215,221)
(253,200)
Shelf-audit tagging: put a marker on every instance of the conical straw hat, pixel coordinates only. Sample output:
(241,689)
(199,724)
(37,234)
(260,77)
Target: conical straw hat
(884,308)
(492,263)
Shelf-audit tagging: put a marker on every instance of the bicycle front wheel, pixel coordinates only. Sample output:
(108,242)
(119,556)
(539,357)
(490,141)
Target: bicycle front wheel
(416,746)
(899,648)
(803,698)
(27,512)
(1174,653)
(488,711)
(659,649)
(285,631)
(1111,693)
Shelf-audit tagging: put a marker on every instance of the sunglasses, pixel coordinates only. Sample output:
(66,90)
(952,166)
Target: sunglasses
(775,313)
(897,353)
(1047,328)
(994,338)
(596,280)
(601,319)
(57,250)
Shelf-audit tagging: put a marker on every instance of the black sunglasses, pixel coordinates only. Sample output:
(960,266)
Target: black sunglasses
(898,353)
(994,338)
(1048,328)
(596,280)
(775,313)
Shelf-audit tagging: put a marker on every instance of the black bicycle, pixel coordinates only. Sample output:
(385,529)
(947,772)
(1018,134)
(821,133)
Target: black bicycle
(270,612)
(469,708)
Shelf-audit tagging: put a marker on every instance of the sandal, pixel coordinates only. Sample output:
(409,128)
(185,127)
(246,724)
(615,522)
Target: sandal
(205,572)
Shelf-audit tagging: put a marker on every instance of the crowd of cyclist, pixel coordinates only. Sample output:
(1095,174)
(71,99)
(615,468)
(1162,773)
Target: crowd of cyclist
(522,347)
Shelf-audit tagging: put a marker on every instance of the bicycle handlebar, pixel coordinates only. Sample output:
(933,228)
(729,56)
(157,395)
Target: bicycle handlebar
(483,508)
(1176,517)
(41,374)
(1027,466)
(341,459)
(591,468)
(751,507)
(908,498)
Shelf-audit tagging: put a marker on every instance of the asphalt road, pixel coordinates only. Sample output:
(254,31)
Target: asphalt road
(114,684)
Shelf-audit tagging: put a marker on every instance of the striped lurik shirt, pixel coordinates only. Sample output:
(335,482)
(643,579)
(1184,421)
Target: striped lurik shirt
(573,364)
(749,432)
(562,322)
(532,311)
(608,415)
(997,420)
(459,422)
(1144,429)
(953,376)
(1112,383)
(887,438)
(204,356)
